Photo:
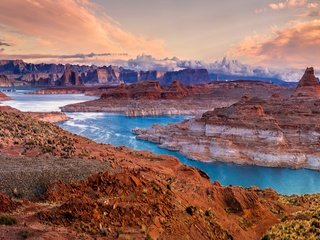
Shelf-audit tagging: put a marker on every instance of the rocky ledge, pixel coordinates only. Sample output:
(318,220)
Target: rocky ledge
(51,117)
(78,189)
(280,132)
(135,108)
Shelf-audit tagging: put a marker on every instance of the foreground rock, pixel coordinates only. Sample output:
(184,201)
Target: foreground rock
(51,117)
(136,195)
(275,133)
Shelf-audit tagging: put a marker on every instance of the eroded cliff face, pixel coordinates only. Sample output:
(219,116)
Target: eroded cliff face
(103,76)
(69,78)
(276,133)
(186,76)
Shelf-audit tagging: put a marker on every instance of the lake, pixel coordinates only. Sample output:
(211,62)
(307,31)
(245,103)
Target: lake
(117,130)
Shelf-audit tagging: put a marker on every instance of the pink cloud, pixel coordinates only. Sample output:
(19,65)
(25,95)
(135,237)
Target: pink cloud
(68,26)
(288,4)
(294,46)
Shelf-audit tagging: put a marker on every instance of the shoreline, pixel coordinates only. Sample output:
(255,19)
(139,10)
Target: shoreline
(232,162)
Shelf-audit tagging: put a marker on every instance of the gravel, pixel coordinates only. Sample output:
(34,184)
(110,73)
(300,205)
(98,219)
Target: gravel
(29,178)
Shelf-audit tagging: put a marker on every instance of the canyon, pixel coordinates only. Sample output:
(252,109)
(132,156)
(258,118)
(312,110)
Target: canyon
(281,131)
(72,187)
(150,98)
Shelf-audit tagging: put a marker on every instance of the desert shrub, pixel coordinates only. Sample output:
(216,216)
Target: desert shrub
(7,220)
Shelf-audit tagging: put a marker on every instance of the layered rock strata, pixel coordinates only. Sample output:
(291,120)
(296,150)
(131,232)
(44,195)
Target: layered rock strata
(275,133)
(150,98)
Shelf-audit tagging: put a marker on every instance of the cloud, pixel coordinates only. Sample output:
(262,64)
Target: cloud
(313,5)
(294,46)
(68,26)
(313,13)
(224,66)
(288,4)
(304,7)
(2,43)
(148,62)
(260,10)
(51,56)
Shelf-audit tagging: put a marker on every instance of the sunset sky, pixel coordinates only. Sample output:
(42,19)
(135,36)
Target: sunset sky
(260,32)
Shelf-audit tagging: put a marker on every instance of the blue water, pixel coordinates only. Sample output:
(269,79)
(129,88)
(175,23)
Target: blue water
(117,130)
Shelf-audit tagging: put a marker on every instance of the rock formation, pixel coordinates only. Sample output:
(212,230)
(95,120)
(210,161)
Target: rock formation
(3,97)
(5,82)
(275,132)
(309,86)
(69,78)
(128,194)
(150,75)
(150,90)
(148,98)
(176,91)
(129,76)
(104,76)
(186,76)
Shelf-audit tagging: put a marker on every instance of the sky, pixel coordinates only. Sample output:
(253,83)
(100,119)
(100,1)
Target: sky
(267,33)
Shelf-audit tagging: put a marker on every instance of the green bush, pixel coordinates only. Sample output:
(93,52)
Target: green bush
(7,220)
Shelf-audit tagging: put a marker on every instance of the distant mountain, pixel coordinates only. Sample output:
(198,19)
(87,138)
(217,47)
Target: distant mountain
(17,72)
(225,77)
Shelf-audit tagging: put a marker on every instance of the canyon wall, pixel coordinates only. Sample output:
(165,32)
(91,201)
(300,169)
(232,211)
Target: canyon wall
(278,132)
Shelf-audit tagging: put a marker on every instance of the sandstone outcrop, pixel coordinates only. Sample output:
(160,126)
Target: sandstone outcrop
(135,195)
(69,78)
(186,76)
(309,86)
(51,117)
(275,132)
(151,90)
(5,82)
(3,97)
(150,75)
(104,76)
